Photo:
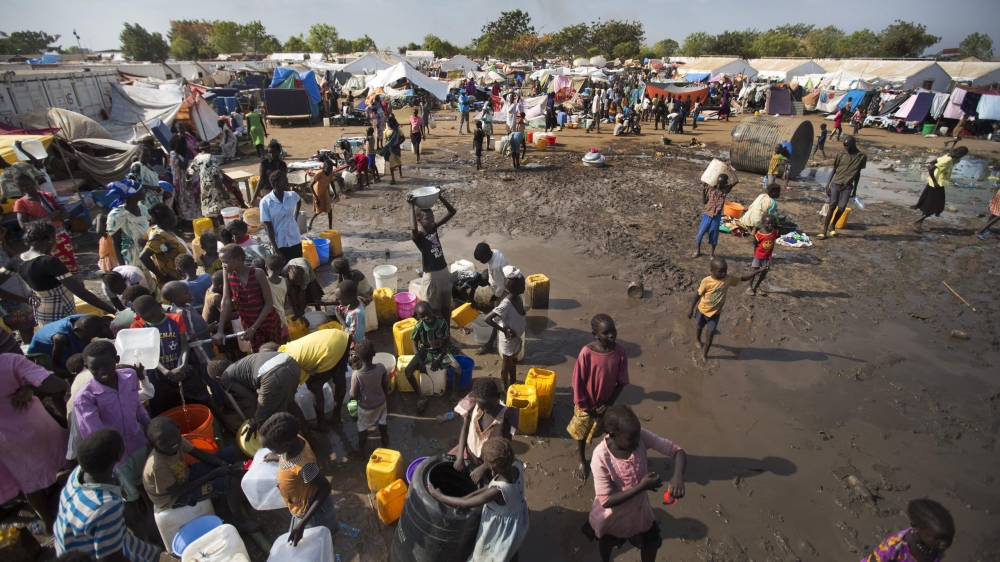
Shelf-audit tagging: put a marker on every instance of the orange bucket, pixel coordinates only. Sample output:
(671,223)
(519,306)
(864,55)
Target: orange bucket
(734,210)
(201,443)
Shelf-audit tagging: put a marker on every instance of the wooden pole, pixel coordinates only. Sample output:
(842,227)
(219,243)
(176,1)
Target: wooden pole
(959,296)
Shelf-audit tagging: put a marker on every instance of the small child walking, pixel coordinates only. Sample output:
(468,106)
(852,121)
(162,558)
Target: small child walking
(599,376)
(306,492)
(621,512)
(763,248)
(431,349)
(821,140)
(505,518)
(477,143)
(509,319)
(351,311)
(369,385)
(711,296)
(714,199)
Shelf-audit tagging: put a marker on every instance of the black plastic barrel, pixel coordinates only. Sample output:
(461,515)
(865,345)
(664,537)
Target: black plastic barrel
(754,140)
(429,531)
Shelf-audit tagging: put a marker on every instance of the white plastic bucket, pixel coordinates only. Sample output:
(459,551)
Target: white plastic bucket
(326,121)
(229,214)
(371,317)
(385,276)
(433,383)
(416,287)
(711,175)
(461,265)
(221,544)
(316,545)
(481,331)
(139,345)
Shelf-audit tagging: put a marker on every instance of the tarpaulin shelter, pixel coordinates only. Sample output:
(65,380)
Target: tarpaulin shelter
(290,78)
(779,102)
(697,76)
(459,62)
(695,93)
(7,144)
(916,107)
(71,125)
(133,108)
(855,96)
(403,71)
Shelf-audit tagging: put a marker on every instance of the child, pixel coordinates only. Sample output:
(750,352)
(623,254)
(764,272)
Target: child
(714,199)
(248,291)
(763,244)
(483,407)
(173,368)
(197,284)
(369,385)
(505,518)
(163,245)
(107,259)
(778,166)
(170,483)
(508,318)
(370,149)
(178,296)
(67,336)
(599,377)
(821,140)
(275,263)
(930,533)
(711,296)
(91,516)
(322,182)
(343,269)
(838,123)
(120,278)
(477,143)
(305,490)
(857,119)
(432,350)
(350,311)
(124,318)
(621,512)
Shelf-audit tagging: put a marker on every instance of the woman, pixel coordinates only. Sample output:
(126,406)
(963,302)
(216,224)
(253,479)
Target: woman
(416,134)
(375,116)
(32,444)
(186,196)
(127,223)
(724,108)
(765,204)
(39,206)
(258,131)
(550,112)
(207,177)
(227,142)
(391,151)
(146,178)
(278,212)
(163,245)
(271,163)
(48,278)
(931,201)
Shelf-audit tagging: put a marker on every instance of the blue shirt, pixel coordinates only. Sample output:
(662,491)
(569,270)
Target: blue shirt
(198,287)
(281,215)
(463,103)
(41,342)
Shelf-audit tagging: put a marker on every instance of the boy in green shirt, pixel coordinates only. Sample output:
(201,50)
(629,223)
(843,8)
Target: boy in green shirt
(431,350)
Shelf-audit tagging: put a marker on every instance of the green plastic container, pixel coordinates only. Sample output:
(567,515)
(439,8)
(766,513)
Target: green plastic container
(929,128)
(352,408)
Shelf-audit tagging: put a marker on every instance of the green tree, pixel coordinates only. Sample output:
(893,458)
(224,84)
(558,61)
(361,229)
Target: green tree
(861,43)
(627,50)
(904,39)
(665,48)
(323,38)
(296,44)
(411,47)
(269,44)
(499,36)
(977,45)
(441,48)
(775,44)
(607,35)
(822,43)
(735,43)
(571,41)
(196,34)
(363,44)
(141,45)
(254,34)
(27,43)
(698,44)
(182,49)
(226,37)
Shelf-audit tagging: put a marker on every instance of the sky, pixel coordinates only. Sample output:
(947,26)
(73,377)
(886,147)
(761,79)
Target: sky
(398,22)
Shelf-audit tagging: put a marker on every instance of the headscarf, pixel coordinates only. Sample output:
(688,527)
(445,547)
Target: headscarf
(123,189)
(166,186)
(511,272)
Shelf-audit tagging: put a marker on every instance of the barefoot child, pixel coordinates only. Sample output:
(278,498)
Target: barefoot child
(350,311)
(210,258)
(930,533)
(711,296)
(505,518)
(369,385)
(621,512)
(763,244)
(477,143)
(275,264)
(484,417)
(431,349)
(508,318)
(305,490)
(821,140)
(599,376)
(197,284)
(714,199)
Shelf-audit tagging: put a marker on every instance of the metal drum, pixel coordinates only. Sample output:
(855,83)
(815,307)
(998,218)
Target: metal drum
(754,139)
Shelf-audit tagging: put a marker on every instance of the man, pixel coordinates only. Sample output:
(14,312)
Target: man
(843,182)
(265,382)
(463,108)
(495,262)
(322,358)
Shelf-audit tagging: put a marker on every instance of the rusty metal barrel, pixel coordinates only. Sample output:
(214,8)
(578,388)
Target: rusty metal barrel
(754,140)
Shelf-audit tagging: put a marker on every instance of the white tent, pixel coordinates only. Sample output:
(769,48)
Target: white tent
(902,74)
(973,73)
(703,68)
(400,71)
(368,64)
(784,69)
(459,62)
(132,105)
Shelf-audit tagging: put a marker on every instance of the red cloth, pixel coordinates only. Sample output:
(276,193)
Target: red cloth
(596,375)
(249,301)
(360,162)
(765,244)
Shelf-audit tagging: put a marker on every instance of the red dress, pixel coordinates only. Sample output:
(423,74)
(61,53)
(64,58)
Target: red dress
(44,207)
(249,300)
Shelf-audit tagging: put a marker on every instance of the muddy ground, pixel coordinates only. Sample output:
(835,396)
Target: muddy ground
(846,369)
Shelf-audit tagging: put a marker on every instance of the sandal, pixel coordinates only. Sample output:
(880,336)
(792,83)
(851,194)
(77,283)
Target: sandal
(821,236)
(985,236)
(421,405)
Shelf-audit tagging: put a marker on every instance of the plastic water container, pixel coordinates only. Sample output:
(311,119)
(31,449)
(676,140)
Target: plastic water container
(196,249)
(252,218)
(371,317)
(169,521)
(316,546)
(385,466)
(715,168)
(316,319)
(540,143)
(416,288)
(858,202)
(139,345)
(388,361)
(333,236)
(202,224)
(385,276)
(304,400)
(842,218)
(222,544)
(467,364)
(385,305)
(433,383)
(405,303)
(464,314)
(461,265)
(550,140)
(309,252)
(481,331)
(322,249)
(260,483)
(401,383)
(229,214)
(413,468)
(34,147)
(524,398)
(531,137)
(390,501)
(545,389)
(296,328)
(401,332)
(536,291)
(192,531)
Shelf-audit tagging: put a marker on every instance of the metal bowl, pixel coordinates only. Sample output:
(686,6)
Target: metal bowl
(425,197)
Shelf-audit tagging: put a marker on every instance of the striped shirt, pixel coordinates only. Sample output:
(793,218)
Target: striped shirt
(91,519)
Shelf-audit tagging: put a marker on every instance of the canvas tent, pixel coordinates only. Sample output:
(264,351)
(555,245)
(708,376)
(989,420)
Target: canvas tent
(973,73)
(135,106)
(402,71)
(868,74)
(703,68)
(459,62)
(784,69)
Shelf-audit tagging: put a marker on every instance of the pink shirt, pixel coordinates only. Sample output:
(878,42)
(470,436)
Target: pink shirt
(97,407)
(415,123)
(596,375)
(612,475)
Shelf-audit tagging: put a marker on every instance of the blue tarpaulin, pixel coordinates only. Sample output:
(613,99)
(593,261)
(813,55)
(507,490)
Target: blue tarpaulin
(853,96)
(699,77)
(308,79)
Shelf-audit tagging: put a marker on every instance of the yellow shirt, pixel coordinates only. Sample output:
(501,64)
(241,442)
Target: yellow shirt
(713,293)
(317,352)
(942,171)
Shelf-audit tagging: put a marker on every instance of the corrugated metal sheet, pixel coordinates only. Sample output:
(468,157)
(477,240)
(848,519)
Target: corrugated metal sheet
(754,140)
